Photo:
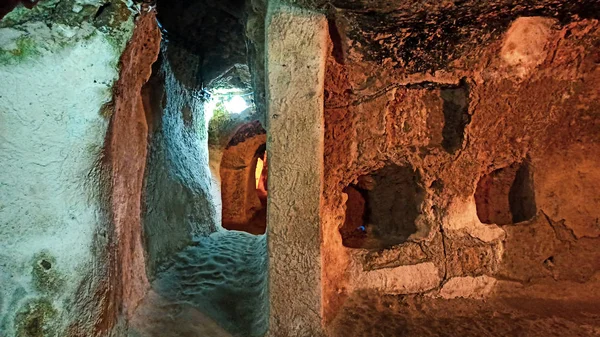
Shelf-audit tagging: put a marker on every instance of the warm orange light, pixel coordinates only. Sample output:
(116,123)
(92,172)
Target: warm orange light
(258,172)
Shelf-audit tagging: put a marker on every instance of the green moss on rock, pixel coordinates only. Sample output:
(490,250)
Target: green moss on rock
(113,19)
(25,49)
(219,125)
(36,318)
(46,278)
(41,12)
(107,109)
(68,12)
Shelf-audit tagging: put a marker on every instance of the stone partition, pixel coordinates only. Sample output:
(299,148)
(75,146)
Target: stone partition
(297,47)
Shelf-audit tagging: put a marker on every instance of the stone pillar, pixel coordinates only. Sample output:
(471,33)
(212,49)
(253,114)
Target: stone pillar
(297,47)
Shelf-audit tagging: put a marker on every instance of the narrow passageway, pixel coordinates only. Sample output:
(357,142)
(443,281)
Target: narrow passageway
(243,174)
(205,199)
(221,279)
(299,168)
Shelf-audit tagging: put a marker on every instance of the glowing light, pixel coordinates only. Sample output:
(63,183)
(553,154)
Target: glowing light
(236,104)
(209,110)
(258,172)
(223,100)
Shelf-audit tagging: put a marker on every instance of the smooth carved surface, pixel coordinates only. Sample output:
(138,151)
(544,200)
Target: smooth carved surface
(297,49)
(51,138)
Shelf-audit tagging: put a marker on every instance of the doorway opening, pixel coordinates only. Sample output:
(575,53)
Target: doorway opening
(243,170)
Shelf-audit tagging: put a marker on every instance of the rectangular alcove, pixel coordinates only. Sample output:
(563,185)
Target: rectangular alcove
(506,195)
(382,208)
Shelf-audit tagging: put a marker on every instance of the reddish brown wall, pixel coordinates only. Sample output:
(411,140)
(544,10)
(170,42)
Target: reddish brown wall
(242,208)
(546,112)
(126,151)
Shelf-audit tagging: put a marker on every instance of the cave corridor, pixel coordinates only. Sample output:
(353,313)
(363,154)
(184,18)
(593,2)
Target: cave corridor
(299,168)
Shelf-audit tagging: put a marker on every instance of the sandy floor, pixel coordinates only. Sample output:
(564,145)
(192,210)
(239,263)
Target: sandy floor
(218,288)
(396,316)
(215,286)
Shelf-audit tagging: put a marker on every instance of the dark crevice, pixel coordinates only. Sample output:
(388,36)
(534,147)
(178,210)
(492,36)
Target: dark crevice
(433,85)
(385,90)
(521,196)
(456,116)
(382,208)
(101,10)
(46,264)
(336,40)
(212,31)
(6,6)
(506,195)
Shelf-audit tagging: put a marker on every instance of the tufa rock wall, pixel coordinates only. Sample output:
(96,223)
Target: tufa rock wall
(59,63)
(503,146)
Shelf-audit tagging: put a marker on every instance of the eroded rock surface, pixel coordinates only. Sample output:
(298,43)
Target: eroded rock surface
(488,127)
(58,71)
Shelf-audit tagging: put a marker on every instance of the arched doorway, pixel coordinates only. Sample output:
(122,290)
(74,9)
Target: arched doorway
(243,172)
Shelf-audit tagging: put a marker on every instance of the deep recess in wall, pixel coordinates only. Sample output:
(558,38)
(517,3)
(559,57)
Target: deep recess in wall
(456,115)
(506,195)
(382,208)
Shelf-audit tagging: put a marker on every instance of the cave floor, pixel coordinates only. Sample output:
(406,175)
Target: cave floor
(374,315)
(216,287)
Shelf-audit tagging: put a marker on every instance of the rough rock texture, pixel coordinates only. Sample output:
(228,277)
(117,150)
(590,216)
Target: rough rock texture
(439,36)
(525,43)
(506,195)
(297,48)
(125,152)
(58,70)
(382,208)
(221,279)
(468,287)
(371,314)
(512,96)
(157,316)
(255,37)
(213,31)
(178,192)
(242,209)
(411,279)
(7,6)
(433,168)
(198,271)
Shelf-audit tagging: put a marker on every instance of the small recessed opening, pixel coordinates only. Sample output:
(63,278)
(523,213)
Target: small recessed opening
(506,195)
(101,10)
(456,116)
(46,264)
(382,208)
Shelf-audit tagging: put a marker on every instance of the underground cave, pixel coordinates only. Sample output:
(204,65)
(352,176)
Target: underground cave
(305,168)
